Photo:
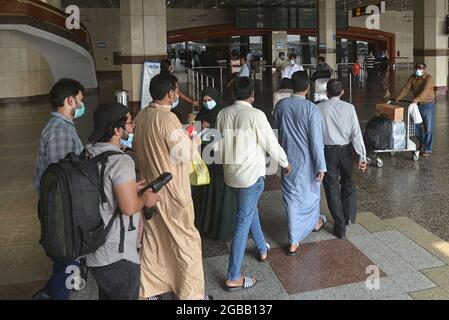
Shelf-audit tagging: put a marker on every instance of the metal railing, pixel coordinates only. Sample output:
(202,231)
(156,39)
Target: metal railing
(197,80)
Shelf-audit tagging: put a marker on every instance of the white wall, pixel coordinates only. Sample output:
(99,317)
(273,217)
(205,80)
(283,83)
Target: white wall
(24,72)
(399,23)
(104,27)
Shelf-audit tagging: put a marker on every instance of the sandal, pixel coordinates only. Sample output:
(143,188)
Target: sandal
(248,283)
(268,250)
(324,219)
(293,253)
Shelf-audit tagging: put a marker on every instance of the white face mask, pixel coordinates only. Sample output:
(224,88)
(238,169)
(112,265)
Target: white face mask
(419,73)
(292,62)
(176,102)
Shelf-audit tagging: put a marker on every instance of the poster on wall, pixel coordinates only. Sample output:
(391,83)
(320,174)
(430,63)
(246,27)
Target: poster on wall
(150,69)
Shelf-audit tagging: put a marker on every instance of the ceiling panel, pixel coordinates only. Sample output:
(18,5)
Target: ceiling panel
(211,4)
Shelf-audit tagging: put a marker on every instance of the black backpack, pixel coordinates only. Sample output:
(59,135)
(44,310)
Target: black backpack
(71,192)
(379,134)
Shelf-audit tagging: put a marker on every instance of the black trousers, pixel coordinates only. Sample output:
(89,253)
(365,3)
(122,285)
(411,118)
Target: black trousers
(118,281)
(371,76)
(341,192)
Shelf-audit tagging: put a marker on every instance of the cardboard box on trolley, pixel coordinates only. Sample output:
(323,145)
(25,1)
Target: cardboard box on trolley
(395,113)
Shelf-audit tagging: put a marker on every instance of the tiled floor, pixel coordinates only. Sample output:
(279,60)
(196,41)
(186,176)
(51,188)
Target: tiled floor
(319,265)
(402,225)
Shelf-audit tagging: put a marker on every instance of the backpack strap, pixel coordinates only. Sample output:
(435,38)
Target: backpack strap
(131,226)
(103,158)
(121,246)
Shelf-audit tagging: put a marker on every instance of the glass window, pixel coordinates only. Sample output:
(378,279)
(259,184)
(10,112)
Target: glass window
(255,45)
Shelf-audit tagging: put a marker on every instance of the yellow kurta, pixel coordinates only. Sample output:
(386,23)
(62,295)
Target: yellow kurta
(171,249)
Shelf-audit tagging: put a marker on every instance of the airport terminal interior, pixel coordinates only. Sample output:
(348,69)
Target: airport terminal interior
(402,226)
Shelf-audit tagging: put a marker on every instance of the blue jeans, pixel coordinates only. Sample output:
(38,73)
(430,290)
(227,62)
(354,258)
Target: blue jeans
(56,286)
(427,111)
(247,220)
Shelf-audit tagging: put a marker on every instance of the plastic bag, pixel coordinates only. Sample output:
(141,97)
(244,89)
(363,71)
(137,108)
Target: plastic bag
(199,174)
(415,114)
(399,133)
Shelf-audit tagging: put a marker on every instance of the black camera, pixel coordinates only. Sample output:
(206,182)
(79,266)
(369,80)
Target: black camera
(156,186)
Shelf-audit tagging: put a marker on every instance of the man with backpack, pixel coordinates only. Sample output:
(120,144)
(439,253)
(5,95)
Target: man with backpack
(116,264)
(59,138)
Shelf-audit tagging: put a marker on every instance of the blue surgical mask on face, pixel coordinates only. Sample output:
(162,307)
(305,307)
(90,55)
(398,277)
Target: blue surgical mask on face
(79,112)
(128,143)
(209,105)
(419,73)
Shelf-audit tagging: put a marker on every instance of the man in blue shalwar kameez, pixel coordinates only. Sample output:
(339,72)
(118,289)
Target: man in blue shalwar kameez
(301,136)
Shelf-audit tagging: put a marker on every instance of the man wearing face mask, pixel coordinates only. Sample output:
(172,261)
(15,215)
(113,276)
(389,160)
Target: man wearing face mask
(171,258)
(167,69)
(117,271)
(421,86)
(292,68)
(58,139)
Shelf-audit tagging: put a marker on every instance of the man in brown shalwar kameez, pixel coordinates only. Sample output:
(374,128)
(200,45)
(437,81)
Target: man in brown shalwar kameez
(171,259)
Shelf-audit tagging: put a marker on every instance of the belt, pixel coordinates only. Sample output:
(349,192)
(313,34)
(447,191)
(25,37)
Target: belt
(337,146)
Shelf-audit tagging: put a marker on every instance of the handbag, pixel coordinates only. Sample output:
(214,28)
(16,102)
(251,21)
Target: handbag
(199,174)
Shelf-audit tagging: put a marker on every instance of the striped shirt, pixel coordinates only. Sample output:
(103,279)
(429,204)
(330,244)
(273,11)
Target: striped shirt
(370,61)
(58,139)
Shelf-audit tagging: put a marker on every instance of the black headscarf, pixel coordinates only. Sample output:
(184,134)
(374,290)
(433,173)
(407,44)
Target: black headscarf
(210,116)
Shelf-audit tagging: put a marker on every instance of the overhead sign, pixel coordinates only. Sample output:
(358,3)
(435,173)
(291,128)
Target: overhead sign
(150,69)
(361,10)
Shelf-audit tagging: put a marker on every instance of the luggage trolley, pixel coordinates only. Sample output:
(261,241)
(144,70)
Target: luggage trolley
(410,146)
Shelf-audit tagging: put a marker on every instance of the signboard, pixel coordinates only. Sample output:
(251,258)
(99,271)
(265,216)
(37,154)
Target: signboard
(150,69)
(361,11)
(283,18)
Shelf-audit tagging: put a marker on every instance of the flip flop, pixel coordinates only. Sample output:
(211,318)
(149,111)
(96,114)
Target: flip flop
(248,283)
(324,223)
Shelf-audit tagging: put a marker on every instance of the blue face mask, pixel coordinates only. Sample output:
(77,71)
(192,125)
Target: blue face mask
(128,143)
(419,73)
(79,112)
(209,105)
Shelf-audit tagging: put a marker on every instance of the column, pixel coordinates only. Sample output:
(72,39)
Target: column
(143,38)
(430,40)
(279,43)
(327,32)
